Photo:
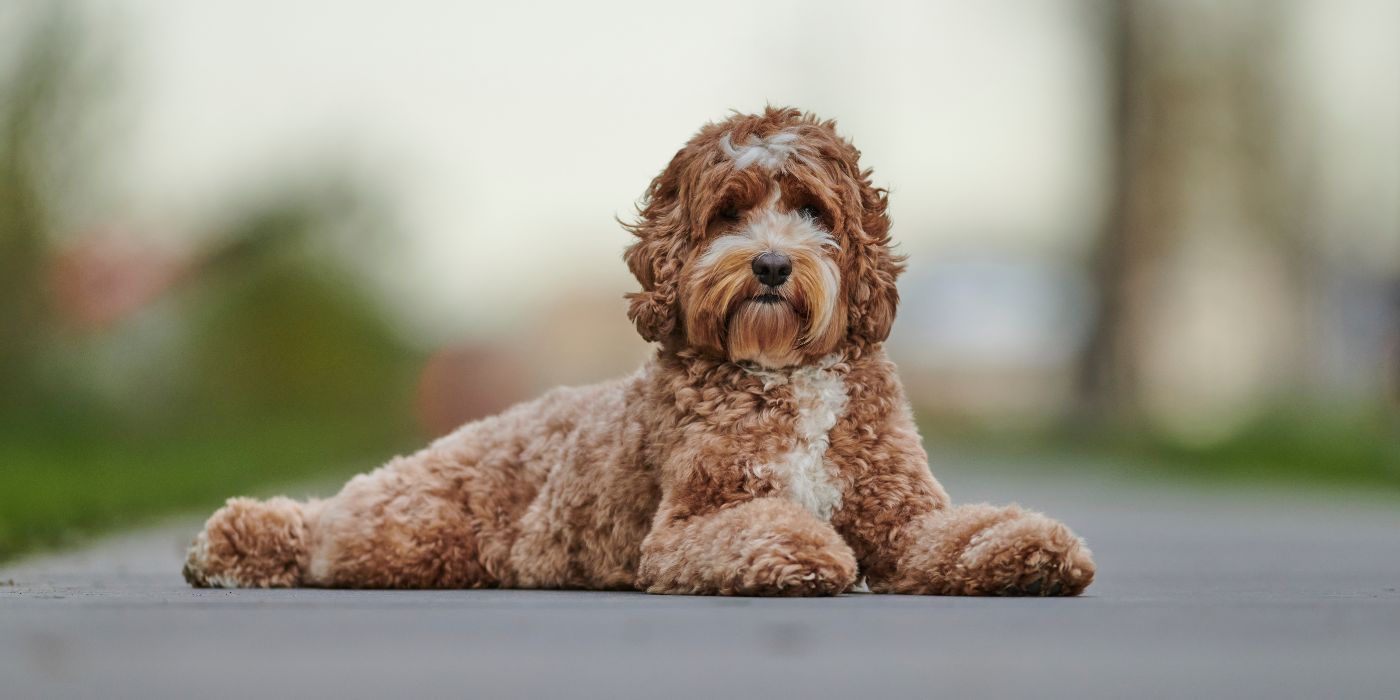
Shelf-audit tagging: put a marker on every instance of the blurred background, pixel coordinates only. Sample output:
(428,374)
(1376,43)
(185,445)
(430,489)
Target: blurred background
(251,244)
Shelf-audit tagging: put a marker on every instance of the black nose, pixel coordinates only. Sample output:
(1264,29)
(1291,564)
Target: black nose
(772,269)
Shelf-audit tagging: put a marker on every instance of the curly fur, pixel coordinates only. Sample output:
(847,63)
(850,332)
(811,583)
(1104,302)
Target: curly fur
(766,449)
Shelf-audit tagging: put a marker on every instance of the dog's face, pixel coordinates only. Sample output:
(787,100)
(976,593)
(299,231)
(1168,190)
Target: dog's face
(764,241)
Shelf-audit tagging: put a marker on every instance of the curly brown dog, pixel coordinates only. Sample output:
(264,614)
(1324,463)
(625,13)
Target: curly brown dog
(766,449)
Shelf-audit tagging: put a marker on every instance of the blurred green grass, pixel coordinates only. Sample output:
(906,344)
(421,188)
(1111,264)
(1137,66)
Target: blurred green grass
(1300,447)
(58,488)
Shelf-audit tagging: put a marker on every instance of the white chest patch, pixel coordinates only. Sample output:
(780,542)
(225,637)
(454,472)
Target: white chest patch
(820,395)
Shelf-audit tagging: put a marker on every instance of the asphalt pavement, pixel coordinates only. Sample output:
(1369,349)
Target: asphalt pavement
(1221,593)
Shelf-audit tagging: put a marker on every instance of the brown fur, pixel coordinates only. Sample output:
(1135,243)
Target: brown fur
(766,449)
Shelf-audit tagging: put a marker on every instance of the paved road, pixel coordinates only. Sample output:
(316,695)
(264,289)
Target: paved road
(1240,595)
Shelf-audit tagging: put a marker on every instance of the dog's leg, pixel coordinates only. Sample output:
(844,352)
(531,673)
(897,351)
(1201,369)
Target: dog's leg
(252,544)
(405,525)
(767,546)
(984,550)
(909,538)
(400,526)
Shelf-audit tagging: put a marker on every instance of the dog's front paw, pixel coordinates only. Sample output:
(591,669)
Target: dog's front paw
(763,547)
(1029,555)
(805,572)
(791,561)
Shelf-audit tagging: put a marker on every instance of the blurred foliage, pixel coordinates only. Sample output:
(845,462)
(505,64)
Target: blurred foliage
(31,91)
(256,359)
(278,325)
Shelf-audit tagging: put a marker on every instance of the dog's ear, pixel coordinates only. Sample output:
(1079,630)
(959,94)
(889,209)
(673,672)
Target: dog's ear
(655,258)
(873,295)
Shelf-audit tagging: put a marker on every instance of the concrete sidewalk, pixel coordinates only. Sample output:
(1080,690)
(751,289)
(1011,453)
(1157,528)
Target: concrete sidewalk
(1225,595)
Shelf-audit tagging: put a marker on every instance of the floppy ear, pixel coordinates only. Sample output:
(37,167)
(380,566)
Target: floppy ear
(654,259)
(873,296)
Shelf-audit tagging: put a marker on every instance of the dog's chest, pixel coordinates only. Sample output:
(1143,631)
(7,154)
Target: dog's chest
(801,471)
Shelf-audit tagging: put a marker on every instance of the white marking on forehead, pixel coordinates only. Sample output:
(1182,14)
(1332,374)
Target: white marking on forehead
(769,153)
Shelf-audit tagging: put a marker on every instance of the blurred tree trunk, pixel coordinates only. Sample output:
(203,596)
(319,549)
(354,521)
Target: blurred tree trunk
(1194,150)
(1107,376)
(1274,171)
(27,91)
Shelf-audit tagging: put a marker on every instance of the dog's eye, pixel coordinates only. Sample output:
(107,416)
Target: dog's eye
(811,213)
(729,213)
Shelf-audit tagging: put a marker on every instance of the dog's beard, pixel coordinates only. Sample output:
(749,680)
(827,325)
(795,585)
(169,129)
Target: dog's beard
(728,311)
(765,331)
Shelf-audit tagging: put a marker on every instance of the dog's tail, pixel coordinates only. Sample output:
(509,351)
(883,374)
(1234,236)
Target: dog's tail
(252,544)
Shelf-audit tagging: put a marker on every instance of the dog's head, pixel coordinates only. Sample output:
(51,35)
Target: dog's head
(764,241)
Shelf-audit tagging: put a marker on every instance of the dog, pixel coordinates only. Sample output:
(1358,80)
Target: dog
(766,448)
